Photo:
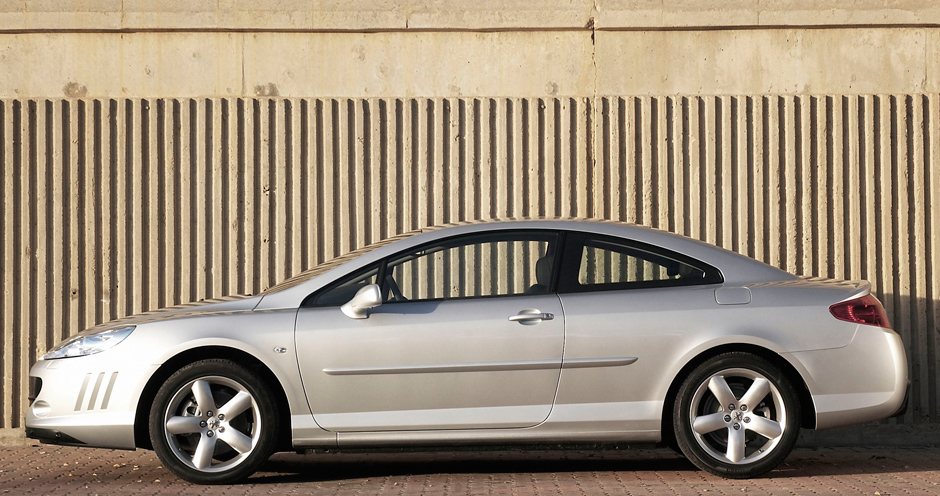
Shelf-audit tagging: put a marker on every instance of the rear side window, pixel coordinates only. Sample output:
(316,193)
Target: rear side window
(600,263)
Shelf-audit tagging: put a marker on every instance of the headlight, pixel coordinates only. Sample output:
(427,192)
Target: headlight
(88,344)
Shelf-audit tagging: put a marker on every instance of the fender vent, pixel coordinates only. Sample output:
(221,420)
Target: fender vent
(96,389)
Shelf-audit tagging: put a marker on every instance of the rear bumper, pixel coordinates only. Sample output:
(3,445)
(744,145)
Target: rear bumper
(907,397)
(862,382)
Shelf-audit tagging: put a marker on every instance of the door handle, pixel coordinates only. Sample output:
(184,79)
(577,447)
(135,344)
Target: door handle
(526,316)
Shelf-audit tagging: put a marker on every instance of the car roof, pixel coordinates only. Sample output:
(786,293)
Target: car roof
(736,269)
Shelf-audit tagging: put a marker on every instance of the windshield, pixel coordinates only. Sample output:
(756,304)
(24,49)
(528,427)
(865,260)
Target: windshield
(331,264)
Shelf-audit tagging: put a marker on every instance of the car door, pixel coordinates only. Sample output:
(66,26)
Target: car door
(627,300)
(468,336)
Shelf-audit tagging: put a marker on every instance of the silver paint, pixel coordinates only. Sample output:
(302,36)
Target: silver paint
(461,372)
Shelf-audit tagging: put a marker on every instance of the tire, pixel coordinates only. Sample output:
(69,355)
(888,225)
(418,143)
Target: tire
(758,412)
(220,444)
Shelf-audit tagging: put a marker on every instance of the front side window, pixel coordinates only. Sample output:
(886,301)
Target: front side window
(602,263)
(480,265)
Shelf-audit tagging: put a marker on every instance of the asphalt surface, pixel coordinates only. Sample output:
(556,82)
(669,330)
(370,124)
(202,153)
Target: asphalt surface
(53,470)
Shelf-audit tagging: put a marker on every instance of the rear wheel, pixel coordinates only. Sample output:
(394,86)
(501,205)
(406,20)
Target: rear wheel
(212,423)
(737,416)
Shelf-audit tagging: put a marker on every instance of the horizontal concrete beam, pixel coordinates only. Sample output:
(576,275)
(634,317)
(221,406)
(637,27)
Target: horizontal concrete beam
(379,15)
(470,64)
(774,61)
(365,65)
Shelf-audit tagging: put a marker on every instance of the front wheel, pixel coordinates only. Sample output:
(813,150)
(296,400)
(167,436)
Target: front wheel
(737,416)
(212,423)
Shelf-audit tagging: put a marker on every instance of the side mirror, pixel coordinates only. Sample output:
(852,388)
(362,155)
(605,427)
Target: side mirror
(366,299)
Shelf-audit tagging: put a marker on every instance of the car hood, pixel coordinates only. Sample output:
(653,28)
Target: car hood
(228,304)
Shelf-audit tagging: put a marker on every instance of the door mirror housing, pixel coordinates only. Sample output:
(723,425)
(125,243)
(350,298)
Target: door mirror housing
(366,299)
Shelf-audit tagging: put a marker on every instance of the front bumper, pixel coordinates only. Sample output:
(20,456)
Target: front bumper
(85,401)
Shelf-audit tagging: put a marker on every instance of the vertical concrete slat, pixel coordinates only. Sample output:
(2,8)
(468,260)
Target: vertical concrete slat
(393,167)
(516,182)
(90,235)
(853,193)
(312,218)
(136,251)
(724,171)
(73,219)
(709,163)
(451,166)
(232,220)
(296,226)
(868,172)
(645,186)
(549,123)
(9,231)
(346,175)
(329,199)
(28,188)
(629,170)
(105,164)
(584,158)
(171,165)
(279,238)
(608,160)
(152,265)
(917,266)
(266,171)
(758,184)
(788,195)
(743,193)
(776,223)
(48,236)
(838,188)
(186,202)
(437,168)
(694,164)
(215,191)
(807,190)
(822,167)
(900,176)
(678,164)
(202,193)
(484,165)
(932,235)
(378,223)
(886,219)
(360,195)
(406,165)
(469,159)
(499,190)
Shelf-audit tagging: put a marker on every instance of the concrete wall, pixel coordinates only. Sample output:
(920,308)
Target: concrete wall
(153,156)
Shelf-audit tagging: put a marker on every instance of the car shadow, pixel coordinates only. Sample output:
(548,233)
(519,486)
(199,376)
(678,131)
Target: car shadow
(802,463)
(332,467)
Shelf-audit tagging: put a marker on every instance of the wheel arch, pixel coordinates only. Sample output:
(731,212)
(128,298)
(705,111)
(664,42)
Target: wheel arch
(142,415)
(807,407)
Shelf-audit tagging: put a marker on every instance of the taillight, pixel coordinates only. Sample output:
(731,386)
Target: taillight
(865,310)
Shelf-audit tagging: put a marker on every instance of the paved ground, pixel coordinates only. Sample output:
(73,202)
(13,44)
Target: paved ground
(44,470)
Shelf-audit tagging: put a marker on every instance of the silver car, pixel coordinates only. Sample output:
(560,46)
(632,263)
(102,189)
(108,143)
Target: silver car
(497,333)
